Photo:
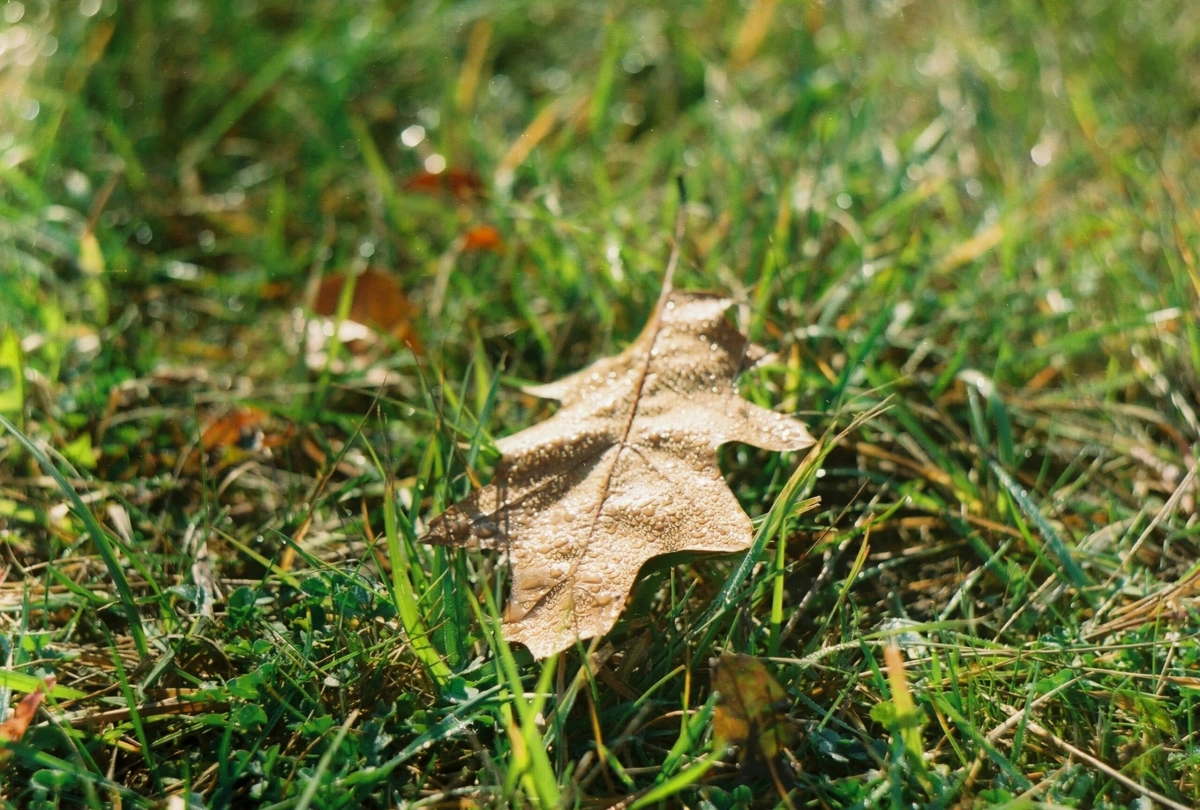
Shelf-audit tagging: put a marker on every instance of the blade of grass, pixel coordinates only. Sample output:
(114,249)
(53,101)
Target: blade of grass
(100,538)
(382,178)
(1074,573)
(778,573)
(241,101)
(689,737)
(800,483)
(135,716)
(540,773)
(21,682)
(679,782)
(406,600)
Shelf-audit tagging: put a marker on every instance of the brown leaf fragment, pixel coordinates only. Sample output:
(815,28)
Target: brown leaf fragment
(378,303)
(626,470)
(459,183)
(13,728)
(749,709)
(240,427)
(483,237)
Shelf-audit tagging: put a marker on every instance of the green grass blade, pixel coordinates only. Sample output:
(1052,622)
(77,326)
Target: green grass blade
(539,771)
(12,377)
(104,544)
(22,682)
(679,782)
(314,782)
(406,599)
(1075,574)
(135,716)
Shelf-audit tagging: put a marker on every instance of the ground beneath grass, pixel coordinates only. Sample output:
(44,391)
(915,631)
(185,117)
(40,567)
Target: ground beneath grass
(982,217)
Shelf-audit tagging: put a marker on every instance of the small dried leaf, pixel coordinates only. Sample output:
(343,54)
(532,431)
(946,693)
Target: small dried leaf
(750,706)
(241,427)
(378,303)
(483,237)
(13,729)
(625,471)
(458,183)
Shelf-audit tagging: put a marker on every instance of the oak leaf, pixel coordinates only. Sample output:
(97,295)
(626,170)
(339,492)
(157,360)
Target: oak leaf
(626,470)
(751,706)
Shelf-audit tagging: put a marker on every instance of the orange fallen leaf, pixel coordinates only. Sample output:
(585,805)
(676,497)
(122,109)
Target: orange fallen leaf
(483,237)
(378,303)
(239,433)
(13,729)
(460,183)
(241,427)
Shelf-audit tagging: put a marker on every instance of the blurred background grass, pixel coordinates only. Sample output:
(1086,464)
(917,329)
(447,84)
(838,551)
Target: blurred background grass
(989,210)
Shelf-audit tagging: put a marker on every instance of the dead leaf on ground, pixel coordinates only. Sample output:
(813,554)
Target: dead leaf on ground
(378,304)
(13,729)
(751,705)
(457,182)
(240,427)
(625,471)
(239,433)
(483,237)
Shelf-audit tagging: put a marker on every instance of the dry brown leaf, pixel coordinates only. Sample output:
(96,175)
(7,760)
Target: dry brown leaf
(457,182)
(378,303)
(751,705)
(240,427)
(483,237)
(625,471)
(13,728)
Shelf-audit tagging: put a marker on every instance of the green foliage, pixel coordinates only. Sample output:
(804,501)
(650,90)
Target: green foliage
(980,216)
(12,377)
